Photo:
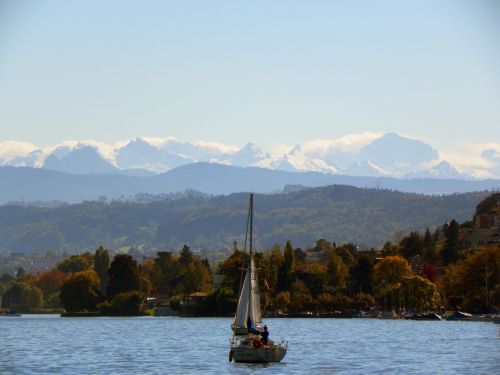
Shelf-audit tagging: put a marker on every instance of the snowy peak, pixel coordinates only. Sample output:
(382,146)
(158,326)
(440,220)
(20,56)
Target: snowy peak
(295,160)
(365,168)
(81,160)
(139,154)
(250,154)
(397,154)
(443,170)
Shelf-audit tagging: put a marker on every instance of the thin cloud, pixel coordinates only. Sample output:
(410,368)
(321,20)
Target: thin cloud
(350,143)
(12,149)
(217,147)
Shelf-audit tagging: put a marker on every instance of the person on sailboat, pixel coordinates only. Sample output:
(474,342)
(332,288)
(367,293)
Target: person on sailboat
(264,334)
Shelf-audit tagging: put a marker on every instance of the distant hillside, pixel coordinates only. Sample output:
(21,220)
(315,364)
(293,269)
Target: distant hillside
(367,217)
(36,184)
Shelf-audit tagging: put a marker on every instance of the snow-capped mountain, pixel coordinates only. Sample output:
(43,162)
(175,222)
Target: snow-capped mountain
(365,168)
(296,160)
(443,170)
(33,159)
(388,155)
(80,160)
(139,154)
(398,155)
(250,154)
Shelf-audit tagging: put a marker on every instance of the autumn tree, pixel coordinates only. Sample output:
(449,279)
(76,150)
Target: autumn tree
(50,283)
(473,282)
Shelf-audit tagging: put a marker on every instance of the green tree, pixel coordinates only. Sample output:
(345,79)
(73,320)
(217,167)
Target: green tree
(128,304)
(451,248)
(226,300)
(388,275)
(231,269)
(76,263)
(186,255)
(274,268)
(315,277)
(195,276)
(282,301)
(411,245)
(165,273)
(21,296)
(346,252)
(101,265)
(123,276)
(300,297)
(337,273)
(390,249)
(81,291)
(286,267)
(419,293)
(361,275)
(20,273)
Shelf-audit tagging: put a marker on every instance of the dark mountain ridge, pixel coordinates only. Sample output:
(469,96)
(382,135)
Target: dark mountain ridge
(367,217)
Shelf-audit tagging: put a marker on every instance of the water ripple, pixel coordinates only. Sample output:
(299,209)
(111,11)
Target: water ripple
(54,345)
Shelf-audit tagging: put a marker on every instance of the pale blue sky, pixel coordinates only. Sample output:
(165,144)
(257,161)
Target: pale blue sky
(262,71)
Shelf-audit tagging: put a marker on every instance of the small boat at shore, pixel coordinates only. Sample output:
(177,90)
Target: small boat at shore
(426,316)
(246,343)
(459,315)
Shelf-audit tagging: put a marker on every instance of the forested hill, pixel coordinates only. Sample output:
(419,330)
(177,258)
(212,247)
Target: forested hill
(367,217)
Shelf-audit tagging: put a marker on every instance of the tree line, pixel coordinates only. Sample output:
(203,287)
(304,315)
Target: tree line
(423,271)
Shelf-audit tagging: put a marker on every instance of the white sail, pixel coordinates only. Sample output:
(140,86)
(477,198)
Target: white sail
(249,303)
(241,317)
(255,315)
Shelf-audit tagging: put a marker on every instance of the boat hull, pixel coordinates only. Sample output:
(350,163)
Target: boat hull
(264,354)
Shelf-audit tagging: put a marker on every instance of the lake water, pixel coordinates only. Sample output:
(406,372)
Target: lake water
(38,344)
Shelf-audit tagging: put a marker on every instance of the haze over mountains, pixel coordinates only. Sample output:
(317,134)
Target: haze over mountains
(387,155)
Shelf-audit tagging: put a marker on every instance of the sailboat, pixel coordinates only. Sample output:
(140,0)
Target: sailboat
(246,344)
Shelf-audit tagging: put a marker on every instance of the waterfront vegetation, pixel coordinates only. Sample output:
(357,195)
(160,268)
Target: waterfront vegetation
(421,272)
(339,278)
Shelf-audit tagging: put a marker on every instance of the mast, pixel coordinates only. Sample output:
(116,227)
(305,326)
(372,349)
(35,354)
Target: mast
(251,223)
(250,291)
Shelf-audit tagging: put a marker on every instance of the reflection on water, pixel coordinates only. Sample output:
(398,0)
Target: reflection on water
(53,345)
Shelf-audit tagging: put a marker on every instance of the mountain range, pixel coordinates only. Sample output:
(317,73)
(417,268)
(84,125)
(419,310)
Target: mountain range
(387,155)
(26,184)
